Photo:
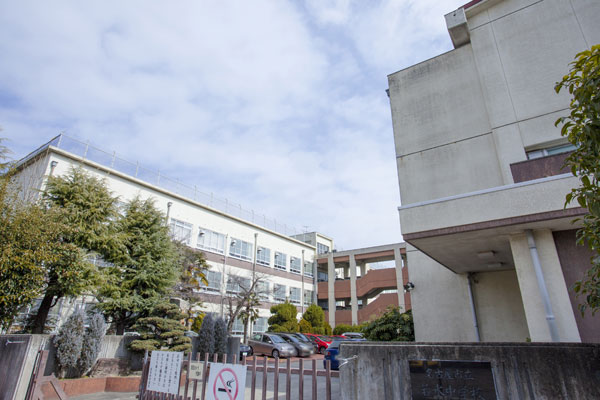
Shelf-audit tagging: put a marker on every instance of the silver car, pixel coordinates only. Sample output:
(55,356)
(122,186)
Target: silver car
(302,349)
(271,344)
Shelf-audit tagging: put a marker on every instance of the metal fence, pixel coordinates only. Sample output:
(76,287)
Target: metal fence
(195,389)
(114,161)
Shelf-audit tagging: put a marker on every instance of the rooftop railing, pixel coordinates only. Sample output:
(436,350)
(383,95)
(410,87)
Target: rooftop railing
(114,161)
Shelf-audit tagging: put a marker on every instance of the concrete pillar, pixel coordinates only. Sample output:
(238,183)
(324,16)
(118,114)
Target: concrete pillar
(535,315)
(399,282)
(363,269)
(347,273)
(353,299)
(331,289)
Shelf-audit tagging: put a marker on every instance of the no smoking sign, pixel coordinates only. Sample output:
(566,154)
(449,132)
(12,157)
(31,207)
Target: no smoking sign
(226,382)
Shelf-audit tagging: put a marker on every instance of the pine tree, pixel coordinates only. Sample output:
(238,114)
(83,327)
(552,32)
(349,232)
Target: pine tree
(68,343)
(151,266)
(315,316)
(87,210)
(206,337)
(283,318)
(91,342)
(220,336)
(161,330)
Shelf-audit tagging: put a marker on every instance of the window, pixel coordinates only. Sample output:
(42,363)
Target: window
(238,327)
(263,290)
(295,265)
(279,292)
(240,249)
(322,249)
(260,325)
(308,297)
(181,231)
(550,151)
(322,276)
(211,241)
(263,256)
(214,281)
(280,261)
(236,284)
(295,295)
(308,269)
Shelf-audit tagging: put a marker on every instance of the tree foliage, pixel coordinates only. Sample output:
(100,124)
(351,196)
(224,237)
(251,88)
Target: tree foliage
(391,326)
(341,328)
(92,341)
(315,317)
(161,330)
(192,277)
(582,129)
(149,268)
(206,336)
(283,318)
(220,336)
(69,342)
(86,209)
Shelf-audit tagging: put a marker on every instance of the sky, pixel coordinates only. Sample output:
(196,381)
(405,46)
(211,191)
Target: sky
(277,105)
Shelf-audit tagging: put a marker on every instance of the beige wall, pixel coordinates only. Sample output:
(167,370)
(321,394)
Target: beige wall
(499,307)
(440,301)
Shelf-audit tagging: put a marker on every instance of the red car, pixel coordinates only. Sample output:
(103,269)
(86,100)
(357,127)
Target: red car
(321,341)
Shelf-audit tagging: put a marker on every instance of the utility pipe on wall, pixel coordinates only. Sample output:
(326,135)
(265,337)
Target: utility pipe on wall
(472,300)
(537,266)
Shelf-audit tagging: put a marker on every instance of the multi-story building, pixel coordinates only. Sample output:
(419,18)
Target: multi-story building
(492,249)
(237,243)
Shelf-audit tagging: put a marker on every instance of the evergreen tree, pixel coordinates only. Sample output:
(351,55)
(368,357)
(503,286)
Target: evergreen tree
(283,318)
(86,208)
(134,287)
(315,316)
(305,327)
(206,337)
(162,330)
(68,343)
(391,326)
(197,324)
(91,342)
(220,336)
(192,277)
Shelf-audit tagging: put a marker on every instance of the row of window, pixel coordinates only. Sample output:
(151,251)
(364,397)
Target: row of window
(215,242)
(260,325)
(235,284)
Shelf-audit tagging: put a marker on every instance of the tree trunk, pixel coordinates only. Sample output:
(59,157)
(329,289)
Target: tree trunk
(246,332)
(39,321)
(120,324)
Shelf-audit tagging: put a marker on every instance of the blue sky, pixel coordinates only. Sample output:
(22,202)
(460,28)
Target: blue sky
(279,106)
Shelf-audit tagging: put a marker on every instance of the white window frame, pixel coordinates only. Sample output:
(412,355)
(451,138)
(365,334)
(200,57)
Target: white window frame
(263,256)
(308,271)
(209,288)
(297,300)
(240,249)
(280,261)
(216,241)
(298,262)
(177,229)
(276,295)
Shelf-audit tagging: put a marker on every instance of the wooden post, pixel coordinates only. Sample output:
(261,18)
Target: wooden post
(187,376)
(276,381)
(288,382)
(314,379)
(301,379)
(265,373)
(205,376)
(254,362)
(194,391)
(328,379)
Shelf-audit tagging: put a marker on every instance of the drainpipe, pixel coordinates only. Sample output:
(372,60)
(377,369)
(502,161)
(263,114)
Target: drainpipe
(222,290)
(302,277)
(472,300)
(542,285)
(169,204)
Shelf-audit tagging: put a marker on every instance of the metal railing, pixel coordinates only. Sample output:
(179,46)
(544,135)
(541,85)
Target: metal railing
(114,161)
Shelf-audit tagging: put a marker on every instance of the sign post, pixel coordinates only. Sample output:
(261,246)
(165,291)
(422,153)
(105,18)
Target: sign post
(165,371)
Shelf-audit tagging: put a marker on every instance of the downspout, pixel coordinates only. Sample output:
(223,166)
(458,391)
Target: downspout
(472,300)
(222,290)
(542,285)
(302,277)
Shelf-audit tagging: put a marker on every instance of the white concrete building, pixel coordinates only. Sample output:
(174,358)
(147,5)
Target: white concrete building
(235,241)
(479,164)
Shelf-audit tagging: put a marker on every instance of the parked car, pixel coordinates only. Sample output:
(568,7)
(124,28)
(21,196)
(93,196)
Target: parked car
(303,349)
(321,341)
(334,350)
(304,339)
(271,344)
(190,334)
(353,335)
(245,350)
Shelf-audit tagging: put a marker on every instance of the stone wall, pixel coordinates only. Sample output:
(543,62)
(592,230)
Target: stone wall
(520,370)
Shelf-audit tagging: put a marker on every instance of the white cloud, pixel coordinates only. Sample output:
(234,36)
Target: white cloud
(275,105)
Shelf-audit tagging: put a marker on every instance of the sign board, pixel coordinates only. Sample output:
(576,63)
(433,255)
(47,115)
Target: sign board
(472,380)
(196,370)
(226,382)
(164,371)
